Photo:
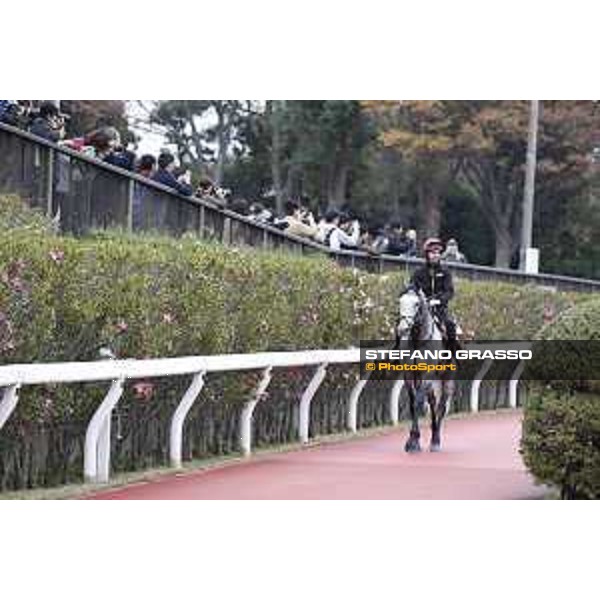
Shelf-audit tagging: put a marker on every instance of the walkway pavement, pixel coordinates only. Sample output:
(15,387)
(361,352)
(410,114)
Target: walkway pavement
(480,460)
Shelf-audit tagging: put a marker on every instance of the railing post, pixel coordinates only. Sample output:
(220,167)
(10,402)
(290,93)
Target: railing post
(50,183)
(226,239)
(10,399)
(96,456)
(248,410)
(103,450)
(130,197)
(305,402)
(514,383)
(353,403)
(181,412)
(395,401)
(487,363)
(202,221)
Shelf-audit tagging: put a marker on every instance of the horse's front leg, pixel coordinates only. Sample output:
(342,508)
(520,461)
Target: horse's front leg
(413,444)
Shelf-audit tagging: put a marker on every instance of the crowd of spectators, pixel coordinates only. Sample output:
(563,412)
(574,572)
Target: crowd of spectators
(45,120)
(336,229)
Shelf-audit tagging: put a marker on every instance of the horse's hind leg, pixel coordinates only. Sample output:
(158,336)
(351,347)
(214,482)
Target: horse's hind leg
(434,398)
(446,392)
(412,444)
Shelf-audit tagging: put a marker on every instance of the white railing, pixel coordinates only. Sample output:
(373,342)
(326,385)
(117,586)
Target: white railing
(97,439)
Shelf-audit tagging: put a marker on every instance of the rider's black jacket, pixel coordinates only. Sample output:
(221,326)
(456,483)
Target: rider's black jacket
(435,281)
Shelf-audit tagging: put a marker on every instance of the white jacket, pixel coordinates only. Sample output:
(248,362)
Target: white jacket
(338,237)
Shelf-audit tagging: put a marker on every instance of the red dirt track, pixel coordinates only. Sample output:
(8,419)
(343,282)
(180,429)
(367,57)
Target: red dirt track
(480,460)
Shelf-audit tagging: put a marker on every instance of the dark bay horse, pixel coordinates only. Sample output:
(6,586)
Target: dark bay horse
(416,329)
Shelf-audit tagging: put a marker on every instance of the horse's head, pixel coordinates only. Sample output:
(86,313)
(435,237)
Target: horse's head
(411,305)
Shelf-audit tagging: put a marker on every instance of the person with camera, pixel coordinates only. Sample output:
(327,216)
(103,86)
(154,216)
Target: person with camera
(452,253)
(206,189)
(209,191)
(338,230)
(299,221)
(260,214)
(49,123)
(165,175)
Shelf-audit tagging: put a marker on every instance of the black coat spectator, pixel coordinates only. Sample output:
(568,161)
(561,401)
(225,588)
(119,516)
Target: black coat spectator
(146,166)
(121,158)
(164,175)
(49,124)
(16,114)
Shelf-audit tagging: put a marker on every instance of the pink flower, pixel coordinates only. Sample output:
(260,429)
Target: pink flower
(57,256)
(121,326)
(17,284)
(548,314)
(143,390)
(7,346)
(168,318)
(15,269)
(12,277)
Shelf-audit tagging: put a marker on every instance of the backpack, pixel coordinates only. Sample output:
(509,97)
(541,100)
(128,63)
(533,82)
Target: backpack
(328,235)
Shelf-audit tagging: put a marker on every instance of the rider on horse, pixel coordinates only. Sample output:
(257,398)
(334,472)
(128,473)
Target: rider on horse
(435,281)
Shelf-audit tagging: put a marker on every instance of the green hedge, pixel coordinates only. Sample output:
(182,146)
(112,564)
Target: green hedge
(64,299)
(561,441)
(561,430)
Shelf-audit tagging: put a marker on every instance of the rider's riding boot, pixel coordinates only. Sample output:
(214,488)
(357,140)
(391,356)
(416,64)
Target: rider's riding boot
(452,341)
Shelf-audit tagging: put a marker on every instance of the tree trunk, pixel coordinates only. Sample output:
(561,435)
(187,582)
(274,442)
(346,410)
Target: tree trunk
(275,112)
(504,247)
(337,187)
(429,205)
(222,143)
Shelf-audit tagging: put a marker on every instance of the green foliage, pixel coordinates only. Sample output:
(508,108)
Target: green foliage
(561,431)
(199,144)
(16,214)
(63,299)
(503,311)
(314,146)
(87,115)
(561,441)
(581,322)
(481,146)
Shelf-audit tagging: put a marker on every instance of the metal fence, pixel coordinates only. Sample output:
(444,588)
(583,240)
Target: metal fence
(97,448)
(83,194)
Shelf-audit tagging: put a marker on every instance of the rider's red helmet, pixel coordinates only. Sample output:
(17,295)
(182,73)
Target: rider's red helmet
(432,243)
